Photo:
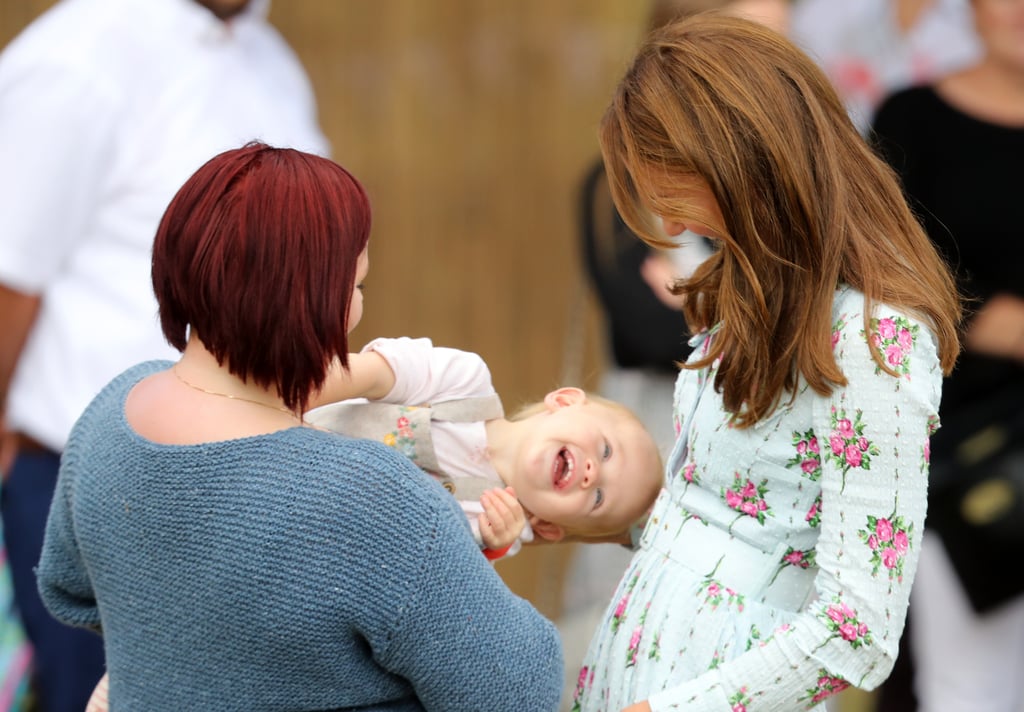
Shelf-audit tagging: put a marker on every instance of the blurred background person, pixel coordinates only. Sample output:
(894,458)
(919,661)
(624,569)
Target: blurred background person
(870,48)
(958,144)
(106,107)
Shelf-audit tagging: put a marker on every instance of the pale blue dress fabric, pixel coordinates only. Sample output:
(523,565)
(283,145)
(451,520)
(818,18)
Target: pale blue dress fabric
(776,567)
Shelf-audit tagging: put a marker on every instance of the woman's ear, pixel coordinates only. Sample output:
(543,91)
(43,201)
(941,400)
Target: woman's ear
(567,395)
(546,530)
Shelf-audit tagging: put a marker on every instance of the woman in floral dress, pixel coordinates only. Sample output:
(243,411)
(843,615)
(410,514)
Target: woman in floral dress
(776,566)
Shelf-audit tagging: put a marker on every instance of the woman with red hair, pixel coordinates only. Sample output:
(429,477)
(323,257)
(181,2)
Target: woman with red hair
(235,559)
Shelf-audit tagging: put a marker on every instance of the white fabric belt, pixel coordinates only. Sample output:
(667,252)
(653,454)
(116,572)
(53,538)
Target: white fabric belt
(710,551)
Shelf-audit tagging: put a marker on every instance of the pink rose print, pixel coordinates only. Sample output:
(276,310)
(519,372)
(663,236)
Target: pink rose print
(883,530)
(715,593)
(807,455)
(634,646)
(848,447)
(795,557)
(689,473)
(620,607)
(926,449)
(888,540)
(894,337)
(813,517)
(842,621)
(634,639)
(583,683)
(886,328)
(828,685)
(740,700)
(837,330)
(716,661)
(747,498)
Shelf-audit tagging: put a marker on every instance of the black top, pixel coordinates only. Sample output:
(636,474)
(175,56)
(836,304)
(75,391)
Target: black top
(642,331)
(964,179)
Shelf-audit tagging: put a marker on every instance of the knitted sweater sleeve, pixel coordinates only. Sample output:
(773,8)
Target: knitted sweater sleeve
(62,576)
(463,639)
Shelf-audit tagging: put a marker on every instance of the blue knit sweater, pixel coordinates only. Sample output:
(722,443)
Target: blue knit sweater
(293,571)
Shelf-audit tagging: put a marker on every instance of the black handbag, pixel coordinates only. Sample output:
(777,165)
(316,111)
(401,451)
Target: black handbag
(976,496)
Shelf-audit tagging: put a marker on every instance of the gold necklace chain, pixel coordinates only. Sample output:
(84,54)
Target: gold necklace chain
(228,395)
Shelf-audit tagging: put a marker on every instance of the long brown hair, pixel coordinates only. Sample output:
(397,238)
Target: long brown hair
(807,205)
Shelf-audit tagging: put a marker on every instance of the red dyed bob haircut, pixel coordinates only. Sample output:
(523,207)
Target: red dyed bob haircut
(256,255)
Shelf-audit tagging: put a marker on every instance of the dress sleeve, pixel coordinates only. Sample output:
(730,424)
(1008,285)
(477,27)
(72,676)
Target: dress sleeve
(425,373)
(874,480)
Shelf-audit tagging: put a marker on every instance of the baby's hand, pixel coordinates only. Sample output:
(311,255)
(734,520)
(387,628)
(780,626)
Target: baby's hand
(503,518)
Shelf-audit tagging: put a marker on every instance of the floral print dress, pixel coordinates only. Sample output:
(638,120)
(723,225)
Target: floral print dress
(776,567)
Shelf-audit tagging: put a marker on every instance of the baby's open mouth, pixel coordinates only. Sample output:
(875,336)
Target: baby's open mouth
(564,466)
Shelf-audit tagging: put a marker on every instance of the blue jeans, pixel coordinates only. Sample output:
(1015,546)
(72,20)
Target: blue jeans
(68,661)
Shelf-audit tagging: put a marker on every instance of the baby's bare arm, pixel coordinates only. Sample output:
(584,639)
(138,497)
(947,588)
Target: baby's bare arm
(368,376)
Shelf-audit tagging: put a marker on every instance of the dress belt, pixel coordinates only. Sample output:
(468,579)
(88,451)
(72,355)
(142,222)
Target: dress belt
(712,552)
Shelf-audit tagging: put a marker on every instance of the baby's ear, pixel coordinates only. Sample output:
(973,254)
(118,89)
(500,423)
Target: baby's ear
(547,530)
(561,397)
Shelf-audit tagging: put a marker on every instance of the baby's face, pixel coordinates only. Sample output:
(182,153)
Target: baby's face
(588,467)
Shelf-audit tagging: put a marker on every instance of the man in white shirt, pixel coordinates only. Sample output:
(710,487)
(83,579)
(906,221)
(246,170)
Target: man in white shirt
(106,108)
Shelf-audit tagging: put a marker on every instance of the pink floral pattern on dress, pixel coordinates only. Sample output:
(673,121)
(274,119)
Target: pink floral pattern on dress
(894,337)
(828,685)
(813,516)
(715,593)
(716,660)
(796,558)
(583,683)
(747,498)
(868,436)
(655,651)
(634,639)
(842,621)
(808,455)
(689,473)
(848,447)
(837,330)
(623,604)
(888,538)
(740,700)
(926,448)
